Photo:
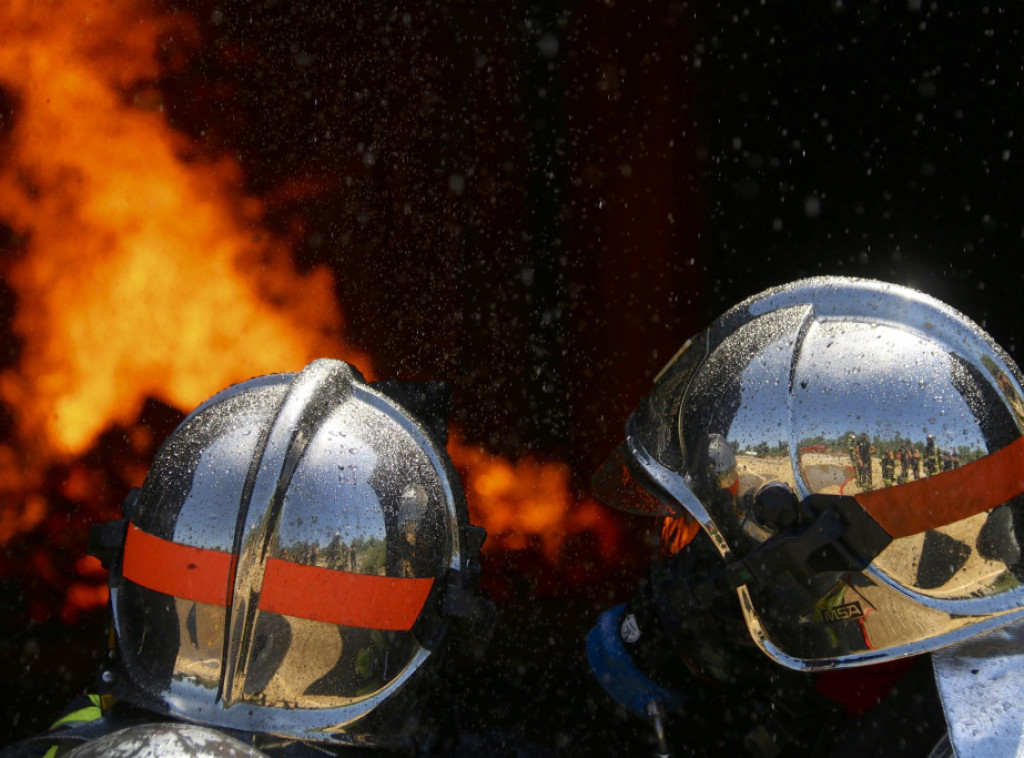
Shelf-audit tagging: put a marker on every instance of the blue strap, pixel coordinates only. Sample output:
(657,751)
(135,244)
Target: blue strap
(621,679)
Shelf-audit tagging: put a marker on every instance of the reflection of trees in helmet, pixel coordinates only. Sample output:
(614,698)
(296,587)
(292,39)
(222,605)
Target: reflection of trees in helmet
(371,665)
(717,470)
(369,556)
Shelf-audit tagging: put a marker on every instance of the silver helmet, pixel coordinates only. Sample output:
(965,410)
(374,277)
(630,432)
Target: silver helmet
(165,740)
(879,405)
(294,560)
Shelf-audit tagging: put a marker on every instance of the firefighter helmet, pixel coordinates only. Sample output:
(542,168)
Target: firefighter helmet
(805,389)
(165,740)
(294,560)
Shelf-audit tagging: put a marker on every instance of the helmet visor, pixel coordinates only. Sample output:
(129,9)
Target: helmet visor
(641,475)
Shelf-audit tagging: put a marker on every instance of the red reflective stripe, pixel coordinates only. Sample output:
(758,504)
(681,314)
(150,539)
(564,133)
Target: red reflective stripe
(190,573)
(290,589)
(338,597)
(942,499)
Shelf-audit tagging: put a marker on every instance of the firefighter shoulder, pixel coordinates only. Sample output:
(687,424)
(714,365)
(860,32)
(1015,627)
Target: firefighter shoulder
(296,574)
(817,606)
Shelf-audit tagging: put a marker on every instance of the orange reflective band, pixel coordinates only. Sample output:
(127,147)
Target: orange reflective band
(338,597)
(190,573)
(290,589)
(942,499)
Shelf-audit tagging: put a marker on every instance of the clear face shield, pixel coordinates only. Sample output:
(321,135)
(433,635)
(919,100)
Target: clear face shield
(853,451)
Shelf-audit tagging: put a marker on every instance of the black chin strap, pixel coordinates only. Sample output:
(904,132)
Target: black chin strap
(829,533)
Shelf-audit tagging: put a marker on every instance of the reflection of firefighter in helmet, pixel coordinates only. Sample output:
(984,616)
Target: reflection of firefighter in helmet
(851,450)
(931,457)
(863,463)
(888,469)
(950,460)
(903,458)
(913,458)
(334,552)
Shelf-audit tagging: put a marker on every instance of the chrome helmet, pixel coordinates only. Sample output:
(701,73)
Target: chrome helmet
(294,560)
(854,451)
(165,740)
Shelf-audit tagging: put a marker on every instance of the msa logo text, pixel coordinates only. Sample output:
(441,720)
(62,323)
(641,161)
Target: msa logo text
(841,612)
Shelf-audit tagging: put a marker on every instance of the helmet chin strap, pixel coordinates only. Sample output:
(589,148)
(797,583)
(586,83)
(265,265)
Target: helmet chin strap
(827,533)
(831,533)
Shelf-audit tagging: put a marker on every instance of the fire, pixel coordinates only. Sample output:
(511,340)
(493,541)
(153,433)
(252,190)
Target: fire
(526,501)
(141,270)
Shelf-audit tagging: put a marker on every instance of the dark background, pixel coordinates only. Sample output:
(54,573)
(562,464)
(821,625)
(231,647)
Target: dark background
(540,201)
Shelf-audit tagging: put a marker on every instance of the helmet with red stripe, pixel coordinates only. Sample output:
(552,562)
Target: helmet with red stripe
(294,561)
(853,451)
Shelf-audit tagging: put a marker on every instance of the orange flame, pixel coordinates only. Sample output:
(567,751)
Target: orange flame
(144,271)
(141,270)
(518,502)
